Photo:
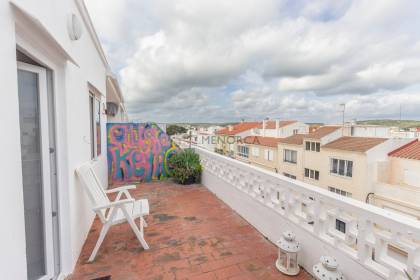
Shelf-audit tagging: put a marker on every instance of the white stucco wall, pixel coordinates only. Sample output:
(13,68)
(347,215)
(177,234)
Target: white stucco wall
(12,254)
(273,225)
(371,131)
(49,17)
(284,131)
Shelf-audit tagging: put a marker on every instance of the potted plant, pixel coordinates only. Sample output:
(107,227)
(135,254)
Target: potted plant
(186,167)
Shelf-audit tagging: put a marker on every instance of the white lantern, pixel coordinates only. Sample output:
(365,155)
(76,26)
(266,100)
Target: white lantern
(327,269)
(287,261)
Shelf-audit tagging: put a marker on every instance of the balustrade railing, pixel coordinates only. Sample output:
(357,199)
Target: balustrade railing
(384,242)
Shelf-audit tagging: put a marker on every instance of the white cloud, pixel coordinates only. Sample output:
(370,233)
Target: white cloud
(223,60)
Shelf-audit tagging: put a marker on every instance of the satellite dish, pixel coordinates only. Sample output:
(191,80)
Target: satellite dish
(74,27)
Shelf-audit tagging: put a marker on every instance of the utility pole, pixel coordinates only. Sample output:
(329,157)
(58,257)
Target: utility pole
(399,128)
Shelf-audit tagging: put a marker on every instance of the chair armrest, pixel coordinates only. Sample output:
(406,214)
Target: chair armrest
(114,204)
(122,188)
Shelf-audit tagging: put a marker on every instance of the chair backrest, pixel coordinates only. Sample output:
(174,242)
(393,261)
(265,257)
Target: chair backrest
(93,187)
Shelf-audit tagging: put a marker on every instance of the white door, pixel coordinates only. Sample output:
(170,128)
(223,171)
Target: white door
(34,137)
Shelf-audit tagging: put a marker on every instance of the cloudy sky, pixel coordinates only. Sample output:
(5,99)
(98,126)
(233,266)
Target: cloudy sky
(224,60)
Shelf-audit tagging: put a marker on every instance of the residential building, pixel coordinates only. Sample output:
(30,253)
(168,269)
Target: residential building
(341,164)
(290,156)
(56,83)
(228,136)
(299,154)
(312,157)
(279,128)
(205,137)
(398,181)
(260,151)
(348,164)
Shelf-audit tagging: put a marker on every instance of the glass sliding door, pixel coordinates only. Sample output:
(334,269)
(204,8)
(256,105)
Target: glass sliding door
(34,137)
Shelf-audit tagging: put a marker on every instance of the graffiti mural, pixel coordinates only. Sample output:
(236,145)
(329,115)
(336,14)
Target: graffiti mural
(138,152)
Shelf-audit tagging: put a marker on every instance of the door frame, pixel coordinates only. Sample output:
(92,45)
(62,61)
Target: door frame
(45,158)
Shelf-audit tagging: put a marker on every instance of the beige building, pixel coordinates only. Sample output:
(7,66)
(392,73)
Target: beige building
(398,181)
(290,159)
(300,153)
(340,164)
(346,165)
(259,151)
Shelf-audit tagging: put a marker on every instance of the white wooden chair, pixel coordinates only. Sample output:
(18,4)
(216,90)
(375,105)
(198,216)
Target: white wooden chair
(118,211)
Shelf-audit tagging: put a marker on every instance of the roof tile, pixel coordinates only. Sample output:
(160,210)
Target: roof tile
(322,131)
(354,144)
(409,151)
(296,139)
(262,141)
(238,128)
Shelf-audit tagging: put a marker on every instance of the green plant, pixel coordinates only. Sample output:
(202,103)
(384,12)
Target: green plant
(175,129)
(186,167)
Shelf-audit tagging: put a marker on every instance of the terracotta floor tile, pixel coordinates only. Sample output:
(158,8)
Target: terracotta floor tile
(192,236)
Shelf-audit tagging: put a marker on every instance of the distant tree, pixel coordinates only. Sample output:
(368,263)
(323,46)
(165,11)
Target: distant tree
(175,129)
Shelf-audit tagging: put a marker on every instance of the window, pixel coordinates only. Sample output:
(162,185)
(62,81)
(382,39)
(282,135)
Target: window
(268,155)
(341,167)
(243,151)
(295,131)
(313,174)
(340,225)
(289,176)
(313,146)
(340,192)
(290,156)
(95,125)
(255,151)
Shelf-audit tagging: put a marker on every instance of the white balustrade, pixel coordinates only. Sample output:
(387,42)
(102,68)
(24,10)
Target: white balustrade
(383,242)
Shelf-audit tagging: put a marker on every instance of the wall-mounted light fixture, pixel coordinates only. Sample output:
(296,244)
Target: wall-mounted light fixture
(74,27)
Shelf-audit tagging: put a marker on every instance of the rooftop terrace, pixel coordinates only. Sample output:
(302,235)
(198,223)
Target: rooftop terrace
(192,235)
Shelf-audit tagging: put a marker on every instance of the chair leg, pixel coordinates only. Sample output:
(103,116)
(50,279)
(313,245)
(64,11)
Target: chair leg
(144,221)
(136,230)
(104,231)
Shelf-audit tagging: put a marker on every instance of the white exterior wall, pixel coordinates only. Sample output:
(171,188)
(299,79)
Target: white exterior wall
(282,132)
(332,136)
(371,131)
(380,154)
(43,36)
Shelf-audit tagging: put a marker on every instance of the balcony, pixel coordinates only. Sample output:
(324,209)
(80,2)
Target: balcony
(192,235)
(226,230)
